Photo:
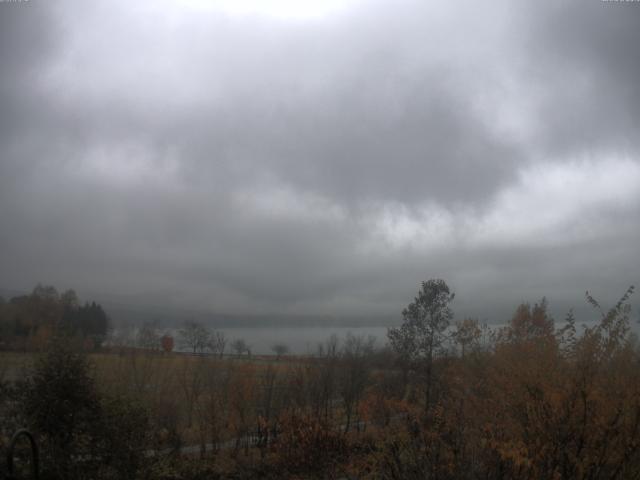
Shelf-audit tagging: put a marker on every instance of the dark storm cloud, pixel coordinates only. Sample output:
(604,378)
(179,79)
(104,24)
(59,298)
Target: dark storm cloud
(253,164)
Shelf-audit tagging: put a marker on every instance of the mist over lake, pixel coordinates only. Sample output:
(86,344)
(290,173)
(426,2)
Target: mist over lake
(304,340)
(300,340)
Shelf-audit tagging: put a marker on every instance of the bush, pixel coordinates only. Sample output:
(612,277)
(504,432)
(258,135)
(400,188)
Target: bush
(83,435)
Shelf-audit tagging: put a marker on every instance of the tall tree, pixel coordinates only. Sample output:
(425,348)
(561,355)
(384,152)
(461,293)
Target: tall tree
(423,331)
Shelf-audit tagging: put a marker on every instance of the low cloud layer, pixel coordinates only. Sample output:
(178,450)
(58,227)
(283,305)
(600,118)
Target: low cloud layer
(284,159)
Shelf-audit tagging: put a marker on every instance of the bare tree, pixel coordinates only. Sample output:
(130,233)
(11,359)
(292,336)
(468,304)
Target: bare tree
(354,373)
(213,404)
(279,349)
(194,336)
(218,343)
(269,404)
(322,373)
(240,346)
(191,379)
(148,337)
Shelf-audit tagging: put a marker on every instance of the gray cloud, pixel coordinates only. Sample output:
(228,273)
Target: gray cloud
(586,61)
(252,164)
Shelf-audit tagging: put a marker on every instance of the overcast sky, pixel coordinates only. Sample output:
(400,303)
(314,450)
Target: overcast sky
(298,156)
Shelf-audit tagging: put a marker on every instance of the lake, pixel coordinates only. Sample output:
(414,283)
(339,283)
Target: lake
(300,340)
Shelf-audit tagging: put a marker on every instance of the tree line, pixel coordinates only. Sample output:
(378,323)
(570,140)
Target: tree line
(444,400)
(192,337)
(28,322)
